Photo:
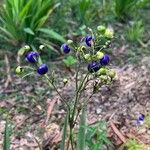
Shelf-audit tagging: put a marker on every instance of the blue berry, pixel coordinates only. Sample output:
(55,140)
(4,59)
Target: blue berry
(65,48)
(93,66)
(32,56)
(42,69)
(105,60)
(88,40)
(141,117)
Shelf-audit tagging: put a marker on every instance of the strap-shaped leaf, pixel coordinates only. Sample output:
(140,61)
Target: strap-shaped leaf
(52,34)
(62,145)
(29,31)
(82,131)
(6,143)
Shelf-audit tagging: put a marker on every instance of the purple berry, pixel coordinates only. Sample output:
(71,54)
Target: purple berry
(32,56)
(42,69)
(105,60)
(93,66)
(88,40)
(141,117)
(65,48)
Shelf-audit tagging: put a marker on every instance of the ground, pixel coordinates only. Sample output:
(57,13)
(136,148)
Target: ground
(37,114)
(26,103)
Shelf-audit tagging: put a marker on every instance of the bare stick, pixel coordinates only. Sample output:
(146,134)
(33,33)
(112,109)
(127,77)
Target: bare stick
(9,79)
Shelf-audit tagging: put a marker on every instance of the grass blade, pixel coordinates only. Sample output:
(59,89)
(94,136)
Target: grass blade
(62,145)
(52,34)
(29,31)
(6,143)
(82,131)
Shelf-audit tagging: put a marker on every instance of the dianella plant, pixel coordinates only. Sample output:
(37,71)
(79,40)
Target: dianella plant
(88,52)
(23,21)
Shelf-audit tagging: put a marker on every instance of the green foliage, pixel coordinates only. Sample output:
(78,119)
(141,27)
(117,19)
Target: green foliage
(69,61)
(124,8)
(143,3)
(62,145)
(82,131)
(79,14)
(6,143)
(135,31)
(132,144)
(21,20)
(146,121)
(96,136)
(83,11)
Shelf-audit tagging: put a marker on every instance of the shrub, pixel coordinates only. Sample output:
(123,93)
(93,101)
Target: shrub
(22,21)
(89,52)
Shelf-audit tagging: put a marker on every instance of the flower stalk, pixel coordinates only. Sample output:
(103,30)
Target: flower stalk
(88,52)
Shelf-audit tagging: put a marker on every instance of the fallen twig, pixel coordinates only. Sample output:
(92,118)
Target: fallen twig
(9,79)
(50,108)
(117,132)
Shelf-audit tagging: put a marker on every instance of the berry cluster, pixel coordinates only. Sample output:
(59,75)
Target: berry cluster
(90,50)
(32,57)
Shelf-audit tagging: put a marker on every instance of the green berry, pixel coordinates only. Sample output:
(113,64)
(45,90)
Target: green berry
(19,70)
(101,29)
(111,73)
(109,34)
(41,47)
(87,57)
(65,81)
(108,42)
(69,42)
(83,48)
(23,50)
(104,46)
(99,55)
(27,47)
(103,78)
(102,71)
(109,80)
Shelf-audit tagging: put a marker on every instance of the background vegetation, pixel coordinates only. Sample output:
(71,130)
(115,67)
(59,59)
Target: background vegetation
(51,22)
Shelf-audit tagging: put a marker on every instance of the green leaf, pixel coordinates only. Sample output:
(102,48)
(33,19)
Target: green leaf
(69,61)
(8,34)
(19,19)
(25,10)
(29,31)
(82,131)
(6,143)
(62,145)
(52,34)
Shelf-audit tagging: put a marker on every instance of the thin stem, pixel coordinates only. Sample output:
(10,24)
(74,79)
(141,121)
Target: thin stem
(93,44)
(76,117)
(77,73)
(62,99)
(68,143)
(77,97)
(28,75)
(82,107)
(85,103)
(71,138)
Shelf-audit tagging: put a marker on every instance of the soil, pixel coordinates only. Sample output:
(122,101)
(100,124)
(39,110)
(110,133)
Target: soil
(25,102)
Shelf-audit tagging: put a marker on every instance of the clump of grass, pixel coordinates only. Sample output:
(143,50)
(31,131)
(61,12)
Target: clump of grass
(135,31)
(132,144)
(96,136)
